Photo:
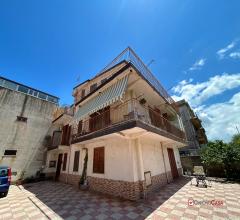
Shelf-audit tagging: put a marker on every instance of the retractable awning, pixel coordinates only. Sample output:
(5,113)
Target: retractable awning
(105,98)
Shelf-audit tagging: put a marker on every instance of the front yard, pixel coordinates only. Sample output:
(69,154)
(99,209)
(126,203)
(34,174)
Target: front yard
(178,200)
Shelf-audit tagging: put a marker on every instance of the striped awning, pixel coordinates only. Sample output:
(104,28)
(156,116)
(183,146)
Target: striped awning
(105,98)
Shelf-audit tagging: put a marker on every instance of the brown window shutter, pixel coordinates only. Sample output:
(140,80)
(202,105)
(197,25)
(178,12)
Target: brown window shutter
(80,126)
(63,135)
(68,135)
(98,160)
(76,161)
(101,160)
(83,93)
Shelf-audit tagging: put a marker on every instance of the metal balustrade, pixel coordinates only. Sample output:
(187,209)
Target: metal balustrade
(127,111)
(130,56)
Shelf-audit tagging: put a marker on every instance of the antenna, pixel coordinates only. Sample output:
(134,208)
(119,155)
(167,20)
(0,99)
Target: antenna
(78,79)
(151,61)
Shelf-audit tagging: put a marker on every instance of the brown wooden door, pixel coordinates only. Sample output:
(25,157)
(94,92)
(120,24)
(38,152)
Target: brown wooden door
(59,165)
(172,162)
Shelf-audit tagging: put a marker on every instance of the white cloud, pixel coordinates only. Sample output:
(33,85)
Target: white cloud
(222,52)
(235,55)
(197,93)
(198,64)
(219,119)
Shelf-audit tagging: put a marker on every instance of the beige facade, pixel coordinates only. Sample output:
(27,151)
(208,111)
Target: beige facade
(130,130)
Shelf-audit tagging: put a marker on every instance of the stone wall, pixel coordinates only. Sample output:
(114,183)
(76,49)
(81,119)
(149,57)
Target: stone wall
(123,189)
(70,179)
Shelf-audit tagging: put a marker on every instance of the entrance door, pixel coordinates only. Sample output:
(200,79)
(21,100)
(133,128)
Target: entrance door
(59,165)
(172,163)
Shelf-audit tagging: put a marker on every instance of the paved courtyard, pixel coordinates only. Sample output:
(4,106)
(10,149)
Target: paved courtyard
(178,200)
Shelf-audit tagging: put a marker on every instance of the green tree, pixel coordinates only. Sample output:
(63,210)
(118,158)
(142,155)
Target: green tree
(235,140)
(220,154)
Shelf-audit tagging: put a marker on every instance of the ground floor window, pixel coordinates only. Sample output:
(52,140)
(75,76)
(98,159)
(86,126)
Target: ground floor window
(65,162)
(76,161)
(98,160)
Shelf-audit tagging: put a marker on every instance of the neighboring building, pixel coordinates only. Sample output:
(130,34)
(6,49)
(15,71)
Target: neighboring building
(127,125)
(26,117)
(195,133)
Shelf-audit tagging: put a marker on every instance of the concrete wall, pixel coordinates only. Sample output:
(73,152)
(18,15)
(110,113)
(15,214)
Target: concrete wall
(25,137)
(154,154)
(118,162)
(122,160)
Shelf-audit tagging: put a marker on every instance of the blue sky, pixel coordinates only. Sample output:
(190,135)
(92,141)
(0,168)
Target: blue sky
(54,45)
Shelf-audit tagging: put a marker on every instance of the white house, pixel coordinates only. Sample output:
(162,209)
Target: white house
(127,125)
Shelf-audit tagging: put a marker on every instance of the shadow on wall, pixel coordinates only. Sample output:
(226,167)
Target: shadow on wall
(66,200)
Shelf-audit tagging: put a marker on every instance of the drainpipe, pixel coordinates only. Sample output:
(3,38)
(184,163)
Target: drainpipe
(164,164)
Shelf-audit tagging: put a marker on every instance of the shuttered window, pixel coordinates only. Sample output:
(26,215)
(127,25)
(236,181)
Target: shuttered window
(98,160)
(83,93)
(76,161)
(93,87)
(65,162)
(80,125)
(66,134)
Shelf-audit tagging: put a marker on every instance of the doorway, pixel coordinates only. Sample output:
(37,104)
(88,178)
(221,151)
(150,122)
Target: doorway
(172,162)
(59,165)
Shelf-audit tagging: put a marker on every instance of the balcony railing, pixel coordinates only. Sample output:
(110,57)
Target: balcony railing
(130,56)
(130,110)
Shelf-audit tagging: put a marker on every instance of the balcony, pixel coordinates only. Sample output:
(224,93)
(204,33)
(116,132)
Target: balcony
(124,116)
(60,138)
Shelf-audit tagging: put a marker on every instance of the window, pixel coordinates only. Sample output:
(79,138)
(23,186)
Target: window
(66,134)
(103,80)
(80,125)
(23,89)
(83,93)
(76,161)
(98,160)
(56,138)
(10,152)
(93,87)
(1,82)
(52,163)
(52,99)
(10,85)
(21,118)
(65,162)
(42,95)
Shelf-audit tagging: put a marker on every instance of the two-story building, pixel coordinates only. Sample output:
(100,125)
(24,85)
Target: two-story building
(124,135)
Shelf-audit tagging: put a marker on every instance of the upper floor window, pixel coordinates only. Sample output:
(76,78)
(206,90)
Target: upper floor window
(21,118)
(42,95)
(83,93)
(66,133)
(56,138)
(80,126)
(23,89)
(103,80)
(10,85)
(93,87)
(98,160)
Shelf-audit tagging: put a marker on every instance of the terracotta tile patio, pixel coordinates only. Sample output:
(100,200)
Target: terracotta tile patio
(178,200)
